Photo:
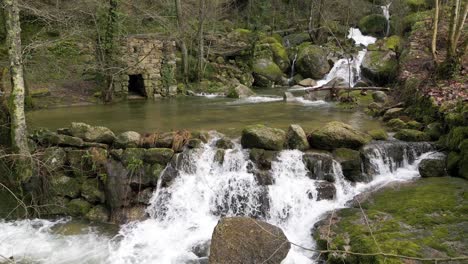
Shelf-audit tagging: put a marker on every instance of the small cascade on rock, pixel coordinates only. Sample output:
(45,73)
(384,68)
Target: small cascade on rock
(386,13)
(348,70)
(293,69)
(201,185)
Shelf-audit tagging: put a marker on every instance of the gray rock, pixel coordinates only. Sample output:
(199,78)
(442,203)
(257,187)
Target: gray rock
(338,135)
(379,97)
(129,139)
(308,82)
(288,97)
(246,240)
(296,138)
(433,167)
(260,136)
(325,190)
(92,133)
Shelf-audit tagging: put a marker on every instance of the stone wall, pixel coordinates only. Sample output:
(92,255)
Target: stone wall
(154,59)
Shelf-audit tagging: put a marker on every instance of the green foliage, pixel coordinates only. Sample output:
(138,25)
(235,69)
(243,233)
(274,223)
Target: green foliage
(373,24)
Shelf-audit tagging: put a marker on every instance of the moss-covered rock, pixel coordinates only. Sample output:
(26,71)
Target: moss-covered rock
(350,161)
(296,138)
(378,134)
(414,125)
(434,130)
(224,143)
(463,163)
(158,155)
(194,143)
(78,207)
(379,97)
(312,61)
(262,158)
(98,213)
(271,48)
(393,113)
(455,137)
(337,135)
(260,136)
(396,124)
(432,167)
(375,25)
(380,67)
(244,240)
(92,133)
(453,160)
(266,73)
(53,159)
(129,139)
(420,219)
(92,191)
(240,91)
(62,185)
(412,135)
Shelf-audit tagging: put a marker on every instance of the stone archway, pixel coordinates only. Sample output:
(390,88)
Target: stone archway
(136,85)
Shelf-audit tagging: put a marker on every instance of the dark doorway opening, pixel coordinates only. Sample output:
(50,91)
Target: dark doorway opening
(136,85)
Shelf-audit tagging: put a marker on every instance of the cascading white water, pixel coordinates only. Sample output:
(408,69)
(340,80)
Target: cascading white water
(183,215)
(348,69)
(386,13)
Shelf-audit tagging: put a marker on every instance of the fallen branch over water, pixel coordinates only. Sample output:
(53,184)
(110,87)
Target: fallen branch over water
(325,88)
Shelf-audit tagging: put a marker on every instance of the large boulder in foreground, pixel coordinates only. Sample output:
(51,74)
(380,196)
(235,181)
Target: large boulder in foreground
(381,67)
(240,91)
(92,133)
(240,240)
(338,135)
(266,73)
(262,137)
(312,62)
(433,167)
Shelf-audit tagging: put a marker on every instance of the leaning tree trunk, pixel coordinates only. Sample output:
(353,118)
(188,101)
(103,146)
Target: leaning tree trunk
(19,141)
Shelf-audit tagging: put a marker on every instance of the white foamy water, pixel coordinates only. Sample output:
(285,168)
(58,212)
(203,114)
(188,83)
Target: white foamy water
(349,69)
(256,99)
(185,214)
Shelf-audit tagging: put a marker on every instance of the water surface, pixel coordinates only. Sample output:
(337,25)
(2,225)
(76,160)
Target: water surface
(225,115)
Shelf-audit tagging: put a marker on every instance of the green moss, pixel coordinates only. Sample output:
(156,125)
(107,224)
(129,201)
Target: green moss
(396,123)
(412,135)
(414,125)
(455,137)
(393,43)
(410,220)
(373,24)
(378,134)
(455,119)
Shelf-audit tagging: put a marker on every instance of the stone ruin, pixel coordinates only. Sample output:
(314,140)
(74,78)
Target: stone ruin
(149,64)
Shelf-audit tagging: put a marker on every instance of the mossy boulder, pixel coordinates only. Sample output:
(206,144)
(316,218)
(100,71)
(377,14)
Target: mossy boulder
(296,39)
(380,67)
(92,191)
(414,125)
(247,240)
(98,213)
(266,72)
(455,137)
(396,124)
(260,136)
(412,135)
(194,143)
(379,97)
(224,143)
(240,91)
(393,113)
(350,161)
(453,165)
(78,207)
(337,135)
(262,158)
(378,134)
(54,158)
(89,133)
(312,62)
(374,24)
(158,155)
(434,130)
(296,138)
(433,167)
(419,219)
(129,139)
(271,48)
(65,186)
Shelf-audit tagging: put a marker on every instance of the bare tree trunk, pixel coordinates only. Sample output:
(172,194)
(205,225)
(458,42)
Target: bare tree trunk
(435,28)
(182,40)
(19,141)
(201,48)
(459,13)
(108,48)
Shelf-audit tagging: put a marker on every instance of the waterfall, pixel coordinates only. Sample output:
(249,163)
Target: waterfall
(386,13)
(293,67)
(184,214)
(348,69)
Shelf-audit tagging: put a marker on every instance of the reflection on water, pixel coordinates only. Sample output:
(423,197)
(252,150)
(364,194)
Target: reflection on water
(228,116)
